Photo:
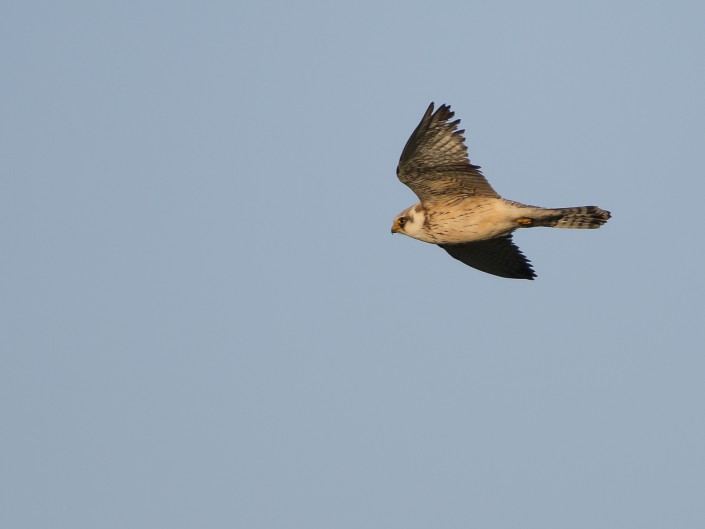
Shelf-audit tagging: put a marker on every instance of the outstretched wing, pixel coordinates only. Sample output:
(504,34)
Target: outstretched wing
(498,256)
(435,164)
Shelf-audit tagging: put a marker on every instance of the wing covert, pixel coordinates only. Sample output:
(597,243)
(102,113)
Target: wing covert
(435,164)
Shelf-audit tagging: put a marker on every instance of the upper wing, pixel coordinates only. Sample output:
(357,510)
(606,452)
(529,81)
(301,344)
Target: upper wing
(434,162)
(498,256)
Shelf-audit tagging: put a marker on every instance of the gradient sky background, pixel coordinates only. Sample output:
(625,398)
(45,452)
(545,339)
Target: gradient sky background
(206,322)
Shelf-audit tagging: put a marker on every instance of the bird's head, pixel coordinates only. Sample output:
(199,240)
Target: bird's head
(410,221)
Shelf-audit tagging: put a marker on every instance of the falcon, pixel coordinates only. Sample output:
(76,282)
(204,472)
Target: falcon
(458,209)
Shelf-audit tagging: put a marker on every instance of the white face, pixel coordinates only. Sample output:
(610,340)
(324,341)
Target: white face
(410,222)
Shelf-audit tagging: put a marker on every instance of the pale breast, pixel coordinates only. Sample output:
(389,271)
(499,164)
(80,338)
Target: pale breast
(470,219)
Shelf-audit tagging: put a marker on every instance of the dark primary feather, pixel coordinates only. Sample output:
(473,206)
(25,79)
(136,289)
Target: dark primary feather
(498,256)
(435,164)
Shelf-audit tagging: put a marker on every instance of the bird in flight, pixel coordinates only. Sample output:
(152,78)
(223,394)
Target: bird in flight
(458,209)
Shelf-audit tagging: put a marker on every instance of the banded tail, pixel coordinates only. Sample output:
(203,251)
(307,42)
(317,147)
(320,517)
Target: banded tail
(583,217)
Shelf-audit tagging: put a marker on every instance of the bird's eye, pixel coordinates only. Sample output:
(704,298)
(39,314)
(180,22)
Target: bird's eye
(402,221)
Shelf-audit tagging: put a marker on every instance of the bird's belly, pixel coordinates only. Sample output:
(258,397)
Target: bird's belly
(472,222)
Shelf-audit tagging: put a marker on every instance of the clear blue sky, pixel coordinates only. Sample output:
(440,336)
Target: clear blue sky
(205,321)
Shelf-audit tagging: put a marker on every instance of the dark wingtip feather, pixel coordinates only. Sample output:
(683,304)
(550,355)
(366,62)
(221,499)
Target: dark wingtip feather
(444,113)
(528,274)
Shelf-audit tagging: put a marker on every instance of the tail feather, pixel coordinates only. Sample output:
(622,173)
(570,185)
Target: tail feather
(584,217)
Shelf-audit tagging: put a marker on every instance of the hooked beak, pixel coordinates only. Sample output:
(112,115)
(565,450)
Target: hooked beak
(395,226)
